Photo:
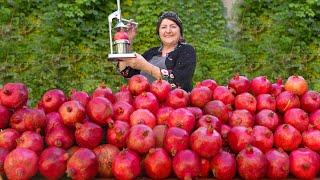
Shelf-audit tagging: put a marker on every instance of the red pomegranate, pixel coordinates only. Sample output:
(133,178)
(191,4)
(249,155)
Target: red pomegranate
(21,163)
(142,116)
(83,164)
(200,96)
(104,91)
(88,135)
(206,142)
(311,139)
(122,111)
(209,120)
(99,109)
(260,85)
(126,165)
(218,109)
(141,138)
(157,163)
(251,163)
(182,118)
(246,101)
(14,95)
(262,138)
(186,164)
(8,138)
(146,100)
(53,120)
(196,111)
(176,139)
(53,162)
(223,165)
(52,100)
(287,137)
(210,83)
(138,84)
(277,88)
(81,96)
(266,101)
(298,118)
(177,98)
(60,136)
(160,132)
(5,115)
(314,119)
(163,114)
(35,120)
(310,101)
(277,163)
(223,94)
(31,140)
(72,112)
(241,117)
(123,95)
(267,118)
(287,100)
(239,137)
(105,154)
(304,163)
(239,83)
(204,168)
(160,88)
(296,84)
(17,119)
(117,133)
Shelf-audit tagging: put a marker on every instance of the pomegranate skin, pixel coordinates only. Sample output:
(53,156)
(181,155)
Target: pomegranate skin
(251,163)
(123,95)
(223,165)
(14,95)
(209,120)
(141,138)
(287,100)
(159,132)
(163,114)
(81,96)
(117,133)
(8,138)
(143,116)
(217,108)
(262,138)
(60,136)
(138,84)
(311,139)
(83,164)
(260,85)
(178,98)
(186,164)
(310,101)
(239,137)
(146,100)
(21,163)
(52,100)
(122,111)
(266,101)
(278,164)
(223,94)
(239,83)
(103,91)
(314,119)
(157,163)
(200,96)
(182,118)
(160,88)
(31,140)
(287,137)
(206,142)
(298,118)
(296,84)
(210,83)
(304,163)
(241,117)
(99,109)
(126,165)
(53,162)
(176,140)
(105,154)
(267,118)
(246,101)
(204,168)
(88,134)
(72,112)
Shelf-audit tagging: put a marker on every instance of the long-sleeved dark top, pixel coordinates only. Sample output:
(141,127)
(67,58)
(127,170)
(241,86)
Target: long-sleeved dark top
(180,63)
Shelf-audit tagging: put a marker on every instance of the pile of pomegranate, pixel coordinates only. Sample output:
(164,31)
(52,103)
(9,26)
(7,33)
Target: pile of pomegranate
(249,128)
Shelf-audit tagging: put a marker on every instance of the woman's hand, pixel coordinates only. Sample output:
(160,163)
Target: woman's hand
(137,62)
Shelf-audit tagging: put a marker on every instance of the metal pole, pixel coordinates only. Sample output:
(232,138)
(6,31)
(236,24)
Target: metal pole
(119,10)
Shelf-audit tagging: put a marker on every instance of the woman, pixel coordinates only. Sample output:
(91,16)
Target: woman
(174,60)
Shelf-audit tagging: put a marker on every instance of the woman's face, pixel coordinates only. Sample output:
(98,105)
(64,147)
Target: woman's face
(169,32)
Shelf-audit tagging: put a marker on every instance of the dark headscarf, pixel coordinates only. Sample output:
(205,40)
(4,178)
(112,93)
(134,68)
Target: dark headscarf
(173,17)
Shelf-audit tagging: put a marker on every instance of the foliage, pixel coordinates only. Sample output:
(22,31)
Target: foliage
(64,44)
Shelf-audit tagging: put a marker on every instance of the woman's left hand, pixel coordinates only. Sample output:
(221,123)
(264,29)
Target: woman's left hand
(137,62)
